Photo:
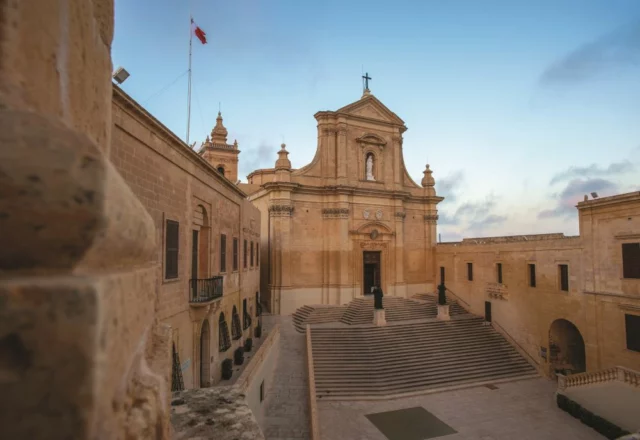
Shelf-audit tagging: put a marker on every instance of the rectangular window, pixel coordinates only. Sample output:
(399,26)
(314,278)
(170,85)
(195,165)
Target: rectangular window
(223,253)
(171,249)
(245,254)
(261,391)
(564,277)
(252,254)
(499,272)
(631,260)
(235,253)
(632,327)
(441,275)
(470,271)
(257,254)
(532,275)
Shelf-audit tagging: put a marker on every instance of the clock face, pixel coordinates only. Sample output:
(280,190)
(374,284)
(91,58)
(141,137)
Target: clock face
(379,214)
(365,213)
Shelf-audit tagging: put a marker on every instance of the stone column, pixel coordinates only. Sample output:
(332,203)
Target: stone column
(83,355)
(342,154)
(401,286)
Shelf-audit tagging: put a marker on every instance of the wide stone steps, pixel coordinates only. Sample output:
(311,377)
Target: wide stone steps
(360,311)
(374,362)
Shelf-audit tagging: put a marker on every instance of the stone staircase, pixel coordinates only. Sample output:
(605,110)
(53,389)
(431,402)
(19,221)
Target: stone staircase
(380,362)
(360,311)
(454,307)
(317,315)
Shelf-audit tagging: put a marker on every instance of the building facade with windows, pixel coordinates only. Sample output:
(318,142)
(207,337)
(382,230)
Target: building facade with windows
(569,303)
(350,219)
(208,289)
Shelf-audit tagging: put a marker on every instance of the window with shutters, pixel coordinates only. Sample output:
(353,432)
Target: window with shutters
(246,316)
(245,255)
(224,341)
(257,254)
(236,332)
(171,249)
(499,272)
(631,260)
(235,254)
(223,253)
(532,275)
(632,328)
(470,271)
(563,270)
(252,254)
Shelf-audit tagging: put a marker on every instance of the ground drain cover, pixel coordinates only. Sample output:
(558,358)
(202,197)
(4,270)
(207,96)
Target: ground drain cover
(410,424)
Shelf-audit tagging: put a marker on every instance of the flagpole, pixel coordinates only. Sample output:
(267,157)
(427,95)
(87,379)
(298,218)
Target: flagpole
(189,89)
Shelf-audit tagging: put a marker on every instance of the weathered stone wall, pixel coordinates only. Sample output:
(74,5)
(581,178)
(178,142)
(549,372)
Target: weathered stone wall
(83,354)
(174,183)
(598,296)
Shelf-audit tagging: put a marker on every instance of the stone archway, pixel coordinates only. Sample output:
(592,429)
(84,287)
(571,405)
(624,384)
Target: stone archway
(566,348)
(205,361)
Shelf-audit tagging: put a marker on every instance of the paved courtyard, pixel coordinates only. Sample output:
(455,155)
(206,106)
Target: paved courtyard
(287,402)
(523,410)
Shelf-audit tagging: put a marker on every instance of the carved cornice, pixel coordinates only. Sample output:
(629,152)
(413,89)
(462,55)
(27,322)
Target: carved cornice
(335,213)
(329,131)
(280,210)
(431,218)
(250,232)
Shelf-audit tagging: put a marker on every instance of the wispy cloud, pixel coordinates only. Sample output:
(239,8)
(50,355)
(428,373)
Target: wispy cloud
(574,192)
(594,170)
(471,217)
(263,156)
(449,186)
(618,49)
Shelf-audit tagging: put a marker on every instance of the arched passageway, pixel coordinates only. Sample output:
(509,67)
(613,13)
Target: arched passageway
(566,348)
(205,360)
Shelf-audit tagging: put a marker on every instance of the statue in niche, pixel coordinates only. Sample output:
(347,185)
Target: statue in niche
(369,165)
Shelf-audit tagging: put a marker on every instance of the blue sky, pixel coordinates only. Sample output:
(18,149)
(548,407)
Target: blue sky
(520,107)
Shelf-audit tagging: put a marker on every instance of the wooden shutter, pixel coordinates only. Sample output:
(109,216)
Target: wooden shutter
(632,327)
(470,271)
(564,277)
(245,254)
(235,254)
(223,253)
(252,254)
(499,266)
(532,275)
(631,260)
(171,249)
(257,254)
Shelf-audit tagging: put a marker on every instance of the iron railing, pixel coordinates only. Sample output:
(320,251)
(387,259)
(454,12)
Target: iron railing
(204,290)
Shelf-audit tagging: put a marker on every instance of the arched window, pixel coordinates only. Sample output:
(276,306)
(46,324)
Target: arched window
(221,170)
(258,305)
(224,341)
(246,316)
(369,167)
(236,332)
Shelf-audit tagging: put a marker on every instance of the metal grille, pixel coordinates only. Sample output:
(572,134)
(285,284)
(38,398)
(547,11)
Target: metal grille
(236,333)
(177,384)
(224,341)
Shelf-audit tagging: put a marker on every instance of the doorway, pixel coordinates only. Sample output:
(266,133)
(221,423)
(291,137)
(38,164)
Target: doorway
(566,347)
(487,311)
(371,265)
(441,275)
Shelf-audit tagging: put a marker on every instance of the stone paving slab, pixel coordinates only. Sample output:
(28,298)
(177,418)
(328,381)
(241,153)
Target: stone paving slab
(287,399)
(523,410)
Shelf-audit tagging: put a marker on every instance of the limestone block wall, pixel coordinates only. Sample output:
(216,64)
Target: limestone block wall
(174,183)
(527,313)
(83,352)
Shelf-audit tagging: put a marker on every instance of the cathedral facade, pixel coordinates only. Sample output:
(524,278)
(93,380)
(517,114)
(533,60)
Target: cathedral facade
(350,220)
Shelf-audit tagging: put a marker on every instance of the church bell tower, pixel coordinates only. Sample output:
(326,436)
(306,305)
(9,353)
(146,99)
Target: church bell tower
(221,155)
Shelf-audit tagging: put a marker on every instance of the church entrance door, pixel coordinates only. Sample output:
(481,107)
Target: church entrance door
(371,276)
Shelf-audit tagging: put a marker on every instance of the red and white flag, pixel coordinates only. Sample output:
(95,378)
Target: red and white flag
(198,32)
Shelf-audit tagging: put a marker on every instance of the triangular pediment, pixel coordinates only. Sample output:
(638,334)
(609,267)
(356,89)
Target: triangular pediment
(370,107)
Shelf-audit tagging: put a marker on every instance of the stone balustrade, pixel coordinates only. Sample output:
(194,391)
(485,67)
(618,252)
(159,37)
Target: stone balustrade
(621,374)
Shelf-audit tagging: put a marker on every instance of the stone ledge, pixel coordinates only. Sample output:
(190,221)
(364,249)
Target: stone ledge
(219,413)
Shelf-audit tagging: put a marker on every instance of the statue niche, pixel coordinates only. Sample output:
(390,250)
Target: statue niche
(369,167)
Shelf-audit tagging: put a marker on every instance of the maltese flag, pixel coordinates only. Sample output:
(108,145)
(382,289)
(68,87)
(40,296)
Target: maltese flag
(198,32)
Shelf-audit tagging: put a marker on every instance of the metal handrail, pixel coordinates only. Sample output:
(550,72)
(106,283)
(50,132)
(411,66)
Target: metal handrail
(204,290)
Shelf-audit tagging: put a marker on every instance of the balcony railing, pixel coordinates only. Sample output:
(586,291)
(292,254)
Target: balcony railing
(204,290)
